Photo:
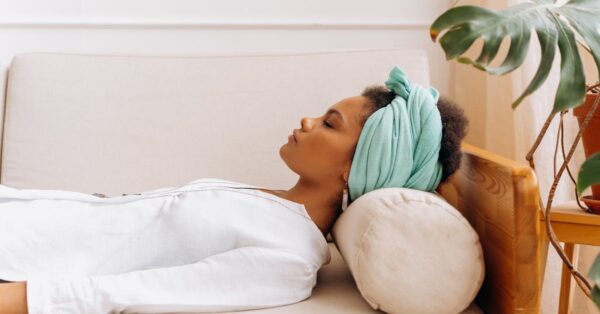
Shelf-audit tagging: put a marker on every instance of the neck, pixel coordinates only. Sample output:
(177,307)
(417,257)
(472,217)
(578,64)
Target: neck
(321,200)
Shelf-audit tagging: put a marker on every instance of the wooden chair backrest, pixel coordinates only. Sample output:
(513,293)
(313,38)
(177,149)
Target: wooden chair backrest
(500,198)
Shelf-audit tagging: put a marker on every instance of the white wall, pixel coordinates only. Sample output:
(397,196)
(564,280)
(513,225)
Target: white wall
(188,27)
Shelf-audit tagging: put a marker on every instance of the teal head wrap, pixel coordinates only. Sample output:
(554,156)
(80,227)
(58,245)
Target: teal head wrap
(399,144)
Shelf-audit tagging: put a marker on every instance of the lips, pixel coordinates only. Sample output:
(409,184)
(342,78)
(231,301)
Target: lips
(292,137)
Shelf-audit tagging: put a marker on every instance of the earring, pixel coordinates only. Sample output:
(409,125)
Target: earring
(345,198)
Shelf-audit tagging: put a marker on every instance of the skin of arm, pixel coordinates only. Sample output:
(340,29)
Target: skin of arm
(13,298)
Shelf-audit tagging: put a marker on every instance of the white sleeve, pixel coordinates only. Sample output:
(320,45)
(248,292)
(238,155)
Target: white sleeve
(245,278)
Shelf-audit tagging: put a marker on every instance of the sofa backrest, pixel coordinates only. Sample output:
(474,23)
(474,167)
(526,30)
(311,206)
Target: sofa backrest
(124,124)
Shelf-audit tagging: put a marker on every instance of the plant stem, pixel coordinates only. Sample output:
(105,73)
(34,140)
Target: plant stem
(538,140)
(561,134)
(580,279)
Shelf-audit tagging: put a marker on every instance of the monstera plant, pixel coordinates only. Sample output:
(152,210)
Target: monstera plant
(560,29)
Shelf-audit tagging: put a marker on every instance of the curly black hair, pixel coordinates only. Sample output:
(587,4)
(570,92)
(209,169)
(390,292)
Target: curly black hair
(454,125)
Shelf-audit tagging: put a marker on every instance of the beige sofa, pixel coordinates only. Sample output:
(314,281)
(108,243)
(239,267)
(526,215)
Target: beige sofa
(125,124)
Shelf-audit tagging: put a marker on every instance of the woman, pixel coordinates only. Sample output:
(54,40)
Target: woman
(215,245)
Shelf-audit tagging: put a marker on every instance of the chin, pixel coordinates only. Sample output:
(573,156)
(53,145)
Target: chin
(284,155)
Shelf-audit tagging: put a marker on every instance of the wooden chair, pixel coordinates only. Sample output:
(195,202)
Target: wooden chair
(500,198)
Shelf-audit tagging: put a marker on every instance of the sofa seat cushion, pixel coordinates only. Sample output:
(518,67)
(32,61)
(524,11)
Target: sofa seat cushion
(335,293)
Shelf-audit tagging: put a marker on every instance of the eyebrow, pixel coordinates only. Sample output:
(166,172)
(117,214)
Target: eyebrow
(332,110)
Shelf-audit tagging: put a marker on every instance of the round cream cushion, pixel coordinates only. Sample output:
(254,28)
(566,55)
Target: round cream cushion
(409,251)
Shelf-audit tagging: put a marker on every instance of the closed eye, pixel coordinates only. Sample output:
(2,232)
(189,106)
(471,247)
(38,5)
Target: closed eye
(327,124)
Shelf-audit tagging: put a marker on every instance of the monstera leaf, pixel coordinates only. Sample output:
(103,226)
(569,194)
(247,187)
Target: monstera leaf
(555,26)
(594,274)
(589,173)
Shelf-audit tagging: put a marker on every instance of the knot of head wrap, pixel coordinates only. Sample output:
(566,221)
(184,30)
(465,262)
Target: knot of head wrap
(399,144)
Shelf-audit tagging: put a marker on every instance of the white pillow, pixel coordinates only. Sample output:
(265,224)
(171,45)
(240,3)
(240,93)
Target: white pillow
(410,251)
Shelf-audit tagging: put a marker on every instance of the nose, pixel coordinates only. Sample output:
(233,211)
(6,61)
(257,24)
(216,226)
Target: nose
(306,123)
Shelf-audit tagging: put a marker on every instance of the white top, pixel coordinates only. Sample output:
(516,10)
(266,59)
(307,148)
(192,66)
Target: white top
(210,245)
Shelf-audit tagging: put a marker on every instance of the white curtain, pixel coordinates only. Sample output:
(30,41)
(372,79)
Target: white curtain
(496,127)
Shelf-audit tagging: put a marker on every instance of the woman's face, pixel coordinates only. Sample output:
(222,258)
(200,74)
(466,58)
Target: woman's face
(323,147)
